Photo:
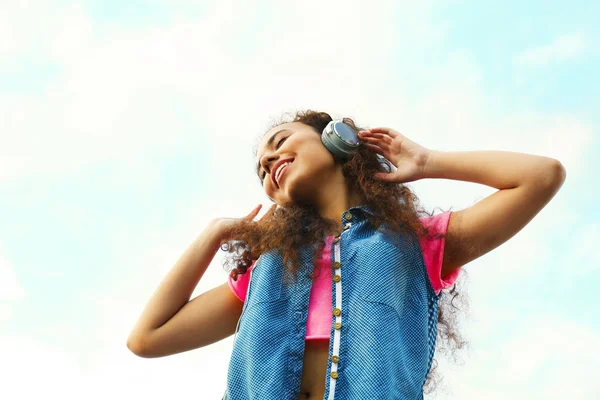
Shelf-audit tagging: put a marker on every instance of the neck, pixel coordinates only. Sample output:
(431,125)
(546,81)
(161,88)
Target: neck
(337,199)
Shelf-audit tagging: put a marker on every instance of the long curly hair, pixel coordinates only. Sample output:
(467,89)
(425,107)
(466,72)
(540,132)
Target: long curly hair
(390,201)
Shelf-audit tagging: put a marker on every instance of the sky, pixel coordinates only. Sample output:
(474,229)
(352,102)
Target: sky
(126,127)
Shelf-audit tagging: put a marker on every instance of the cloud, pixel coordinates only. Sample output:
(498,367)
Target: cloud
(545,357)
(132,96)
(125,92)
(562,48)
(202,371)
(11,292)
(120,93)
(584,242)
(9,287)
(29,360)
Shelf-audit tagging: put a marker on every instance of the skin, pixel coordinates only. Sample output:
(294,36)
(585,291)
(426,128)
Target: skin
(525,183)
(172,323)
(313,178)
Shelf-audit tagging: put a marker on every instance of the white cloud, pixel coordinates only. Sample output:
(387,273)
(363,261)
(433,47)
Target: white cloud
(73,36)
(9,286)
(28,28)
(562,48)
(124,93)
(11,292)
(38,370)
(545,358)
(584,242)
(202,371)
(33,370)
(120,93)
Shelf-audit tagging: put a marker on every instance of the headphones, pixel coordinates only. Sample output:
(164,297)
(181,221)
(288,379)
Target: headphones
(340,139)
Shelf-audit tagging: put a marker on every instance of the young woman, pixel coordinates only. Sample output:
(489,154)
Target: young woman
(336,289)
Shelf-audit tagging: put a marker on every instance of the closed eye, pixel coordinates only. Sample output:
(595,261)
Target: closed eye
(276,147)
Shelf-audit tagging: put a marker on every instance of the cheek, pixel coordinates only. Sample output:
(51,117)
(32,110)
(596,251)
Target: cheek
(320,159)
(271,189)
(312,170)
(313,161)
(269,186)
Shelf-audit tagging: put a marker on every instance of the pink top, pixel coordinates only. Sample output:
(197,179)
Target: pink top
(318,322)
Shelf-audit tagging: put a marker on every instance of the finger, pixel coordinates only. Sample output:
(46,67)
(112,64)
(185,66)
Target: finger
(378,136)
(385,177)
(388,131)
(254,212)
(364,134)
(374,148)
(371,137)
(382,144)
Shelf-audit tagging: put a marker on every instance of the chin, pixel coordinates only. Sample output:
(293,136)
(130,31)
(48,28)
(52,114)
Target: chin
(302,186)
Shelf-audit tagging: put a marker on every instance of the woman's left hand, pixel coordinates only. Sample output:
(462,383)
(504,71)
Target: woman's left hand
(408,157)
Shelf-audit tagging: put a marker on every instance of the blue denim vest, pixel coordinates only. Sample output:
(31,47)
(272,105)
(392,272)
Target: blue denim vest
(383,328)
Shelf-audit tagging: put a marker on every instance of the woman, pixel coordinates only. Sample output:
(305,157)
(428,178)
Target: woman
(339,282)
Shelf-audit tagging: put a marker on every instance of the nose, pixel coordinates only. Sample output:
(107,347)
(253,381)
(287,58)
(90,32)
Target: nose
(268,163)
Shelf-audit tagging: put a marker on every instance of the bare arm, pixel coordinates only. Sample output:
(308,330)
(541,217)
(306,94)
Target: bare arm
(170,322)
(526,184)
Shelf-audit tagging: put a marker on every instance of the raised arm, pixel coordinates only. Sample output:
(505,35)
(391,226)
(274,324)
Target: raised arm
(526,184)
(170,322)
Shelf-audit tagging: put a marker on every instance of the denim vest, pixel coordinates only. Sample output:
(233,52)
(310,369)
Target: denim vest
(383,328)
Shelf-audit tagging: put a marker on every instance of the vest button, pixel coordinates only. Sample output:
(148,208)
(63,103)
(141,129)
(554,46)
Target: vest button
(335,359)
(348,216)
(337,278)
(336,265)
(337,325)
(334,375)
(337,312)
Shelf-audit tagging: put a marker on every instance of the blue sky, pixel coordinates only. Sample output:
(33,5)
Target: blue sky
(125,129)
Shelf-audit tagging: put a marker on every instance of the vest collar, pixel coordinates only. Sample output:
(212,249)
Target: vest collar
(357,213)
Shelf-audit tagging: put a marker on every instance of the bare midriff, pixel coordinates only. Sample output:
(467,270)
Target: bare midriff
(314,369)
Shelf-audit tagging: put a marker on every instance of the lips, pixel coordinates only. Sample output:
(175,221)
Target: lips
(280,174)
(276,168)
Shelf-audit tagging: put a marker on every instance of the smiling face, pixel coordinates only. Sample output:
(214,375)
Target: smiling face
(310,169)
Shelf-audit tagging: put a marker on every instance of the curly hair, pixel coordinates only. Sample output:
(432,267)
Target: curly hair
(390,201)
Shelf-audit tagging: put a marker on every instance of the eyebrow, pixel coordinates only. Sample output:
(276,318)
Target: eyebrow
(269,143)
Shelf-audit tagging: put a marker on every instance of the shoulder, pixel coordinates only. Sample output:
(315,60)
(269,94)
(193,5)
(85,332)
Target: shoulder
(240,286)
(433,248)
(438,222)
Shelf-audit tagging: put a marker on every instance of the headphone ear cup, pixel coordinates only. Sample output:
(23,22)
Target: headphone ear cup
(340,139)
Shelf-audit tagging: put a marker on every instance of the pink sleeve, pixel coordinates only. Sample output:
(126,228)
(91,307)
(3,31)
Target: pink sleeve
(433,252)
(240,287)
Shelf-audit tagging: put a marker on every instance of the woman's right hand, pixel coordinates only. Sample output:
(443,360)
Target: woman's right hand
(223,225)
(172,323)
